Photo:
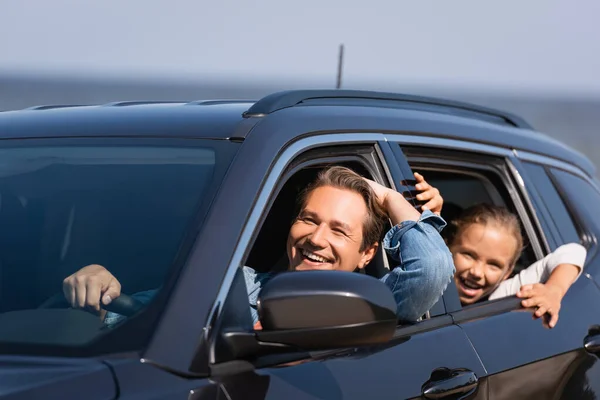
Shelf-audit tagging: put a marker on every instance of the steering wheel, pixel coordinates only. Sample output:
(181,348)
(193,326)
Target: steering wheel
(124,304)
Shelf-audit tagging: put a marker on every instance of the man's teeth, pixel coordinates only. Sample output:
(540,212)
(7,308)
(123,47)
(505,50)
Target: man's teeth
(313,256)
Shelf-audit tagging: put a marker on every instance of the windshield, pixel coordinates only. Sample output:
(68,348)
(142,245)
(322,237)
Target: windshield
(124,207)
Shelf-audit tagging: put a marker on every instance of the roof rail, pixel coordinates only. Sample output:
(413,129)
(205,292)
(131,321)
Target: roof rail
(52,106)
(291,98)
(213,102)
(139,103)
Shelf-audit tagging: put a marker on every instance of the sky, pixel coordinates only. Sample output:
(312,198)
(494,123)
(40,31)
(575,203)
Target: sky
(510,45)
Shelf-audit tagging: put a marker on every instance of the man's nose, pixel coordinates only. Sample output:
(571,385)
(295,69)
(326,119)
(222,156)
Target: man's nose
(317,238)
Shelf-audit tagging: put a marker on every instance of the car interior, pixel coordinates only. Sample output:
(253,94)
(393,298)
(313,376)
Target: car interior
(269,250)
(460,188)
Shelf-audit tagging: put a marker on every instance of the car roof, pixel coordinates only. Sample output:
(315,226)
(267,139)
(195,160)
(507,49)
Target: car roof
(220,119)
(200,119)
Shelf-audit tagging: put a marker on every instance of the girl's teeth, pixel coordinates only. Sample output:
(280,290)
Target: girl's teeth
(470,286)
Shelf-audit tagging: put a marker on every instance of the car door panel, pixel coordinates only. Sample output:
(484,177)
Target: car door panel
(518,340)
(395,371)
(558,377)
(526,360)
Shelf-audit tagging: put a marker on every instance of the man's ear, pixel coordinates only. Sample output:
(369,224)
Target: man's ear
(368,255)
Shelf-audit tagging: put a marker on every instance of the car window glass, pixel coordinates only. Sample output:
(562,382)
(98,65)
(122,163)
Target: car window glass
(62,208)
(582,196)
(551,198)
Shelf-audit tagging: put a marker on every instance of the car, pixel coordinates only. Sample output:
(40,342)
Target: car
(180,195)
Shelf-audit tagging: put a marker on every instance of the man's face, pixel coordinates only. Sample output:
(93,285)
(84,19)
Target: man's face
(328,232)
(483,259)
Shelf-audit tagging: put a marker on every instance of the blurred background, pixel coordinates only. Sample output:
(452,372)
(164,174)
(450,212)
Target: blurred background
(537,58)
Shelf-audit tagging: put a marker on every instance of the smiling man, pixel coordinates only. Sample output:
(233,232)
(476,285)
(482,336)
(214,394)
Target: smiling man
(338,227)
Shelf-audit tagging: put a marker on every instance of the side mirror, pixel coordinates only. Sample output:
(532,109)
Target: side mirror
(315,310)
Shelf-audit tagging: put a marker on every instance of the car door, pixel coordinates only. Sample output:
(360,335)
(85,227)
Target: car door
(432,358)
(572,196)
(524,359)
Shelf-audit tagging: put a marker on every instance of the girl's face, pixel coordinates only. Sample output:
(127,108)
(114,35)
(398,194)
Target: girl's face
(483,257)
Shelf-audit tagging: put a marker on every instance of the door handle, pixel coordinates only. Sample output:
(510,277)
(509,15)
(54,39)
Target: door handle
(447,382)
(592,341)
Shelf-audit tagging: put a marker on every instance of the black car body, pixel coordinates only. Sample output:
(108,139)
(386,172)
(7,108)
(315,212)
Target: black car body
(178,196)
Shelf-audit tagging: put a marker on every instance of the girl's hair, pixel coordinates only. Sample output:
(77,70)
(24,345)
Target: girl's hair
(485,214)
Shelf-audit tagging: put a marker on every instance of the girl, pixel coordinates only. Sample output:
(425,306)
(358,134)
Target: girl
(486,242)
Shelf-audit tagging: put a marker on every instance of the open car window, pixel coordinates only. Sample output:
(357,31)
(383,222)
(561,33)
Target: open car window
(463,189)
(268,253)
(466,181)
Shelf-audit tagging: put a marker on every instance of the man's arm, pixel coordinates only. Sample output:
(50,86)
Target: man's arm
(425,265)
(111,318)
(425,262)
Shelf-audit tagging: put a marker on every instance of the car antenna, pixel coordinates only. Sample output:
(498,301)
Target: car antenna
(340,65)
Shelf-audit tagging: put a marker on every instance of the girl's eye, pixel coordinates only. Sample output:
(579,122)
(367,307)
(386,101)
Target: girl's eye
(468,255)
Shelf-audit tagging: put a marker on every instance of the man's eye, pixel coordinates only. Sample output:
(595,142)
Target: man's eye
(339,232)
(307,220)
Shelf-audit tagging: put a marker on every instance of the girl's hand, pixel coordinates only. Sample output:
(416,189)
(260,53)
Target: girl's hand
(430,195)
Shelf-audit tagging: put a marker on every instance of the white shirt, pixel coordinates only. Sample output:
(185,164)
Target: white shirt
(539,271)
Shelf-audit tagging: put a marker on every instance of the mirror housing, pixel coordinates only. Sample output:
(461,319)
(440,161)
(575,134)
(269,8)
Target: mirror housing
(316,310)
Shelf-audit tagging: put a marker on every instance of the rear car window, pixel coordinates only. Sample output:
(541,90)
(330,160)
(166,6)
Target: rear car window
(556,208)
(582,198)
(127,208)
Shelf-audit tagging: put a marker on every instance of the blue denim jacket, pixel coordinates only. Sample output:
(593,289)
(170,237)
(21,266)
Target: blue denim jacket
(425,268)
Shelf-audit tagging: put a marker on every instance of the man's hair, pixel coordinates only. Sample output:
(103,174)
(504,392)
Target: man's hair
(345,178)
(486,214)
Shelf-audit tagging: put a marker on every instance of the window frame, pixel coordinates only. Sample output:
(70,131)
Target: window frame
(502,168)
(466,155)
(285,166)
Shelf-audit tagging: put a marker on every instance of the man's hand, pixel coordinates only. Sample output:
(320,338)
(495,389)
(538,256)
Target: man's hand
(394,203)
(546,298)
(381,191)
(90,285)
(430,195)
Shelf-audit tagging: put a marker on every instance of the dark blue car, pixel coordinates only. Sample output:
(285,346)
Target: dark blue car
(179,196)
